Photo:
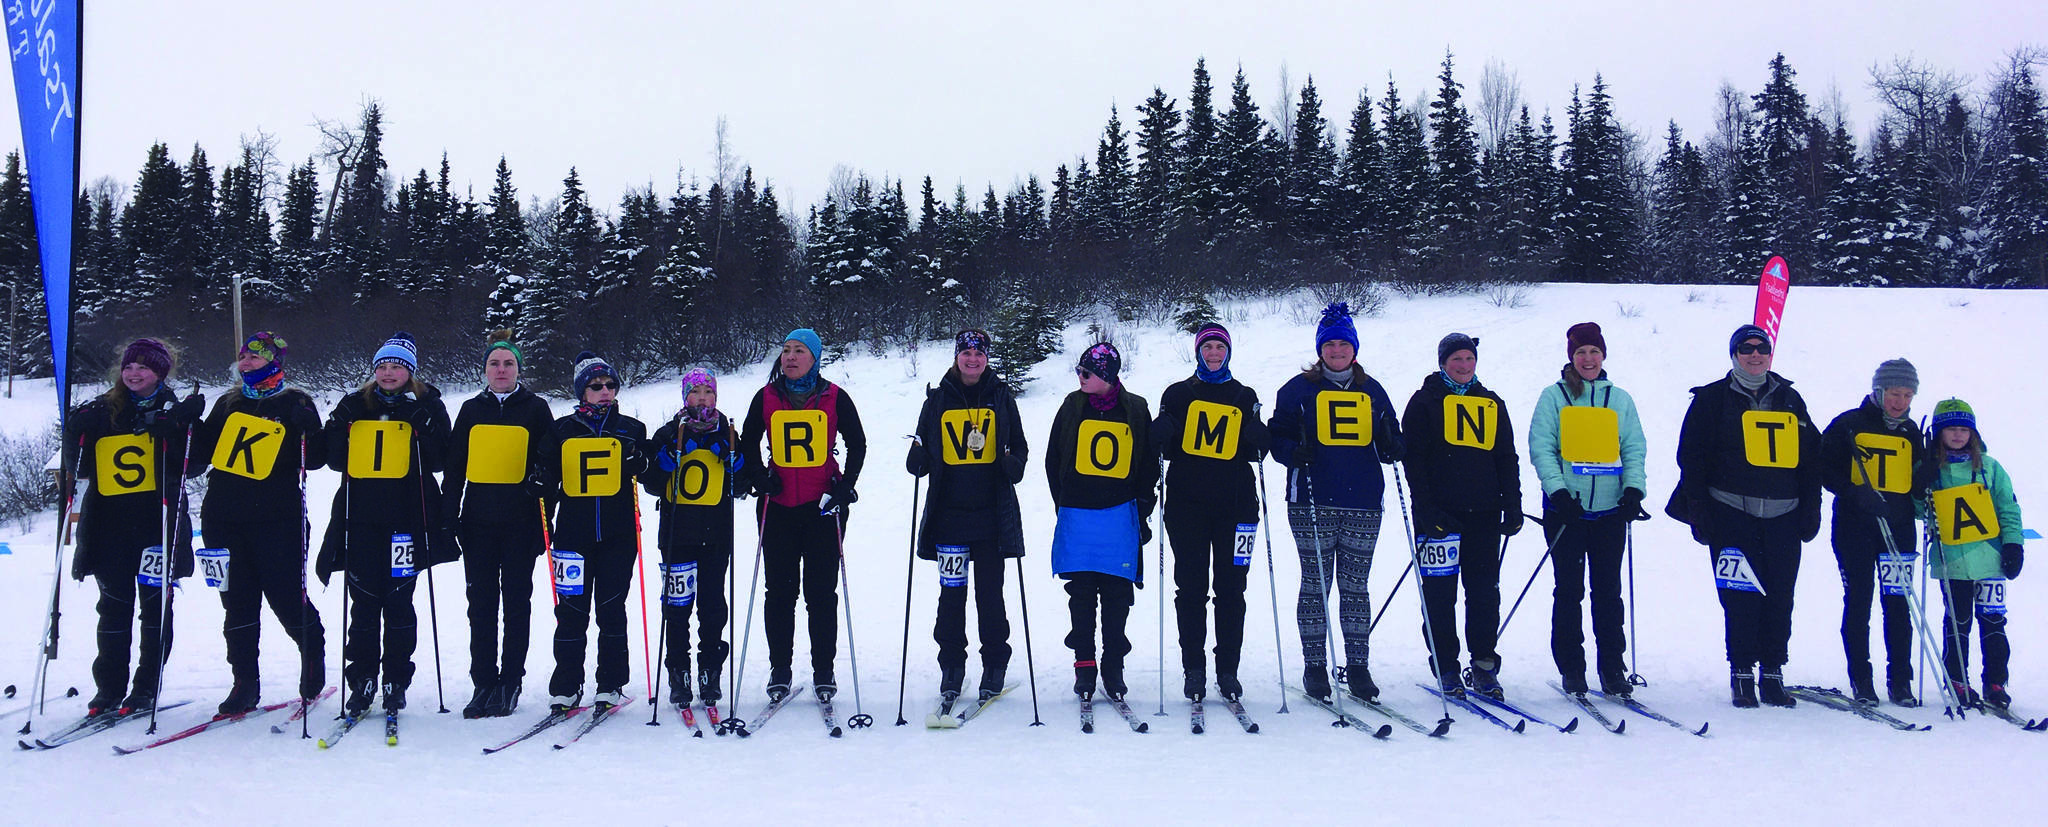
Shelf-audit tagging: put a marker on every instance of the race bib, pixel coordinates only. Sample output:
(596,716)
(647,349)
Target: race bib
(699,479)
(1884,461)
(952,566)
(151,572)
(1770,439)
(1241,545)
(497,454)
(121,464)
(248,446)
(798,439)
(1732,572)
(1211,430)
(1991,597)
(678,584)
(1437,557)
(401,555)
(1103,449)
(1895,572)
(213,565)
(1344,418)
(1965,514)
(964,436)
(1590,437)
(568,567)
(379,450)
(1470,421)
(592,466)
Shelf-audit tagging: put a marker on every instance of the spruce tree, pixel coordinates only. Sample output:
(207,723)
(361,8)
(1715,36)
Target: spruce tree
(2016,203)
(1451,230)
(1158,165)
(1312,190)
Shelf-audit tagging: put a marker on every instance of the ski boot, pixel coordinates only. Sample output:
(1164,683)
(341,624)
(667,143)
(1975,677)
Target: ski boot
(1113,680)
(824,686)
(1358,683)
(1995,695)
(479,702)
(1770,688)
(992,676)
(141,700)
(103,703)
(778,683)
(1484,681)
(1574,684)
(1227,686)
(1863,691)
(360,694)
(707,686)
(1315,681)
(1616,684)
(1901,693)
(606,699)
(1194,685)
(1084,678)
(561,704)
(1451,686)
(394,697)
(242,698)
(1742,684)
(679,689)
(504,700)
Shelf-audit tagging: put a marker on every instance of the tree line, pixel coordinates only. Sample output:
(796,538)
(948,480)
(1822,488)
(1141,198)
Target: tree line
(1444,192)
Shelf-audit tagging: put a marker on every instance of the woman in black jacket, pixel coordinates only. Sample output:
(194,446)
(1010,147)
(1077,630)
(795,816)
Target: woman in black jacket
(261,442)
(1209,433)
(971,443)
(131,444)
(596,534)
(388,439)
(497,474)
(1749,484)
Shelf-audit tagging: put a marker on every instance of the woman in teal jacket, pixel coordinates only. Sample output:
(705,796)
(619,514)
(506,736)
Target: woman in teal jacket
(1587,446)
(1974,550)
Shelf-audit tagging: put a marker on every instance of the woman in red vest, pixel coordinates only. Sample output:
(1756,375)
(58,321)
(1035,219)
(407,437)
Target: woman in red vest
(804,491)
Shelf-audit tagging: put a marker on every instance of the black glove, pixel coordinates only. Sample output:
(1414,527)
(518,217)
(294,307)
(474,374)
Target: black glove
(1510,522)
(1012,465)
(1866,500)
(1809,522)
(841,493)
(303,420)
(1435,522)
(1702,532)
(1632,505)
(1144,533)
(1304,454)
(189,410)
(535,487)
(418,415)
(1566,507)
(2009,559)
(1392,449)
(767,483)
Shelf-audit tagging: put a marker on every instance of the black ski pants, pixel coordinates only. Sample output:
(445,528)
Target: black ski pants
(381,610)
(267,562)
(1085,591)
(1479,569)
(800,550)
(1204,544)
(607,579)
(1857,545)
(1955,647)
(992,622)
(116,557)
(1586,553)
(497,571)
(1758,627)
(709,604)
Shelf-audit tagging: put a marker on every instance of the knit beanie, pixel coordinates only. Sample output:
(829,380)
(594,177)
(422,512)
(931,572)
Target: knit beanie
(399,348)
(151,354)
(1745,333)
(1954,412)
(1453,343)
(1103,360)
(588,368)
(1336,325)
(1581,335)
(1895,373)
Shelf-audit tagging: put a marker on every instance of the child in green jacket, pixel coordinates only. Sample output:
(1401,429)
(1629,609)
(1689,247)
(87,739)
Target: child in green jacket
(1975,547)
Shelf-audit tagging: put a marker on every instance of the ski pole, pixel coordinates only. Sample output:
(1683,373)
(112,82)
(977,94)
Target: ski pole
(660,647)
(747,628)
(547,544)
(640,564)
(1030,668)
(1635,677)
(1547,551)
(47,645)
(1436,663)
(163,605)
(1160,552)
(860,720)
(1315,530)
(909,576)
(1388,601)
(433,610)
(1272,590)
(305,598)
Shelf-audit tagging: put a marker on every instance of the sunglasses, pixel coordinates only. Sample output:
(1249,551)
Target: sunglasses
(1747,348)
(603,386)
(1084,373)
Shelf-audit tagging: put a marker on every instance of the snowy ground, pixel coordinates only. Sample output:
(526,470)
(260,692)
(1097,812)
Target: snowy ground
(1807,764)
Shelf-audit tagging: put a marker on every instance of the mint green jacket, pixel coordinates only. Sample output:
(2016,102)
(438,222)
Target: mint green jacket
(1978,560)
(1595,492)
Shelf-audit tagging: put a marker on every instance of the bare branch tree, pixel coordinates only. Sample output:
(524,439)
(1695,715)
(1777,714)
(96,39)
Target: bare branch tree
(1731,115)
(339,144)
(725,165)
(1283,109)
(1915,95)
(259,156)
(1500,97)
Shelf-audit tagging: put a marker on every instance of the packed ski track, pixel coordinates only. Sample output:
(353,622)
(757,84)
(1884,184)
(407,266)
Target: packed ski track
(1809,764)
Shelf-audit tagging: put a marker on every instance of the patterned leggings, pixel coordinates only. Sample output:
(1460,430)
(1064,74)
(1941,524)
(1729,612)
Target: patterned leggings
(1336,548)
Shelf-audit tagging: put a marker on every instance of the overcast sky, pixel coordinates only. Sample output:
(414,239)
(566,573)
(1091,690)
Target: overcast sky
(629,91)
